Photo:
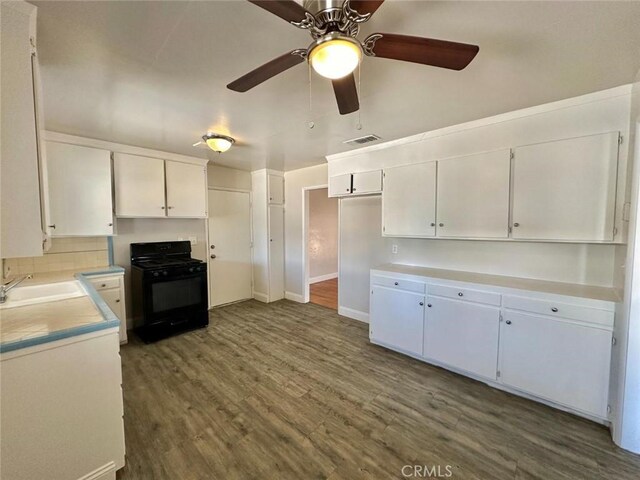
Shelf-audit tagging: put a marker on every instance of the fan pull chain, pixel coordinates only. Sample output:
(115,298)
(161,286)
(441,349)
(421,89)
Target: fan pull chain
(359,124)
(310,124)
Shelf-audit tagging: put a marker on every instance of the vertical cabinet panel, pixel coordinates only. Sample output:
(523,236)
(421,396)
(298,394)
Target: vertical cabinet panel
(557,360)
(463,335)
(276,252)
(80,199)
(186,190)
(397,319)
(367,182)
(20,210)
(276,189)
(139,186)
(340,185)
(566,190)
(409,201)
(473,196)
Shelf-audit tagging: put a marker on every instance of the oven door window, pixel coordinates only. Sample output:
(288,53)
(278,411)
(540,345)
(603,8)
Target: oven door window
(180,293)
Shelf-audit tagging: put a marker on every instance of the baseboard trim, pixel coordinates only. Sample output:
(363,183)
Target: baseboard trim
(322,278)
(261,297)
(355,314)
(294,297)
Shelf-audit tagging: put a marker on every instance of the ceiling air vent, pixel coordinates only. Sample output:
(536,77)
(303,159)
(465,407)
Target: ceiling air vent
(362,140)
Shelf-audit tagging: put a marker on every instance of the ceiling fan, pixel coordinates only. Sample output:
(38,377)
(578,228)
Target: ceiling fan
(336,52)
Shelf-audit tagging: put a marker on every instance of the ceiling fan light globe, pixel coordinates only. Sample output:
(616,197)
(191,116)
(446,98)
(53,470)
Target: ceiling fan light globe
(218,144)
(335,58)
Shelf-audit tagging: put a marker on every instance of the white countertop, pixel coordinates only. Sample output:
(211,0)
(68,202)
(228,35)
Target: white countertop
(558,288)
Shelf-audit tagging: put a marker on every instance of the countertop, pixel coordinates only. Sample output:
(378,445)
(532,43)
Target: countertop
(30,325)
(558,288)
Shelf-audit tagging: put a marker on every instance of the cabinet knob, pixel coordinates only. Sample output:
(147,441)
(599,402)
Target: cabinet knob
(516,224)
(421,303)
(395,283)
(508,322)
(52,226)
(162,207)
(110,224)
(213,256)
(429,305)
(460,294)
(117,300)
(212,247)
(433,224)
(103,285)
(441,224)
(169,208)
(554,309)
(348,189)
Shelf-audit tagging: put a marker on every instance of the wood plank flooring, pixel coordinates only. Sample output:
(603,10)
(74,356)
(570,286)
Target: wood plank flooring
(325,293)
(294,391)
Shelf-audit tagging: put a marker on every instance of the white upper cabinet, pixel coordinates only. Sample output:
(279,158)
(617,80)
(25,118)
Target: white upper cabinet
(566,190)
(340,185)
(473,196)
(186,190)
(367,182)
(139,186)
(276,189)
(20,197)
(80,198)
(409,201)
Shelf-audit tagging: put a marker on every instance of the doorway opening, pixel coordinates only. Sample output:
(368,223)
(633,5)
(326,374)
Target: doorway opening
(321,247)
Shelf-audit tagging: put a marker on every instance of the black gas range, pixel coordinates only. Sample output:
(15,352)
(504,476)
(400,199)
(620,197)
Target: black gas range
(169,289)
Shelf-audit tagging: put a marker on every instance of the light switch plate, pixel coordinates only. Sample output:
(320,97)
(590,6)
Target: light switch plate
(394,248)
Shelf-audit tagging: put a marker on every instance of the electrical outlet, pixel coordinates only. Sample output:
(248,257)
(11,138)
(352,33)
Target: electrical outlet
(394,248)
(193,240)
(180,239)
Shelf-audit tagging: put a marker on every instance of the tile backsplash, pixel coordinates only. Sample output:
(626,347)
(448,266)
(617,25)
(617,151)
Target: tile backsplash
(72,253)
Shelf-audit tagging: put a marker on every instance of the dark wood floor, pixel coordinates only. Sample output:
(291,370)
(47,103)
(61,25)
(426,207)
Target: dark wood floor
(325,293)
(293,391)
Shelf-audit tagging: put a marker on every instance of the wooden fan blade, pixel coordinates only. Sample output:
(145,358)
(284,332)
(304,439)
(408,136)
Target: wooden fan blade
(365,6)
(428,51)
(285,9)
(346,94)
(266,71)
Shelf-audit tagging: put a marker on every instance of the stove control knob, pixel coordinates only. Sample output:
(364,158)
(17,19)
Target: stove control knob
(155,274)
(191,269)
(165,273)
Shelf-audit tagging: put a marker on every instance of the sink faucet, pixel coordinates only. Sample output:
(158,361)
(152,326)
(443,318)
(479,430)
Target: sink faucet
(4,289)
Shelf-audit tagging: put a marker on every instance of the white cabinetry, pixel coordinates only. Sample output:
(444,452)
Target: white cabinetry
(556,359)
(186,190)
(463,335)
(361,183)
(142,190)
(566,190)
(111,289)
(139,186)
(20,191)
(409,201)
(473,196)
(276,252)
(80,198)
(276,189)
(396,319)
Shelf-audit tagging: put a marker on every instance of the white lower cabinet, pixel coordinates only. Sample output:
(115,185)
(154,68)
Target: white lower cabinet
(397,319)
(555,359)
(463,335)
(111,289)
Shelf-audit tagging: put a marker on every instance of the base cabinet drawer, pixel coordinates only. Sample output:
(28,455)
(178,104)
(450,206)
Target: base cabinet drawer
(397,319)
(105,283)
(462,335)
(557,360)
(560,310)
(463,293)
(398,283)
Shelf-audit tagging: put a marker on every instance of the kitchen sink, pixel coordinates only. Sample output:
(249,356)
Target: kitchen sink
(50,292)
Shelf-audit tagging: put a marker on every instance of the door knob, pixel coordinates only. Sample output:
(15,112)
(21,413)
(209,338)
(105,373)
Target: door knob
(213,256)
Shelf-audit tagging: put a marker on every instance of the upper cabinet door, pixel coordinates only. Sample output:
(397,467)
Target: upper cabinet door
(276,189)
(409,201)
(367,182)
(80,199)
(566,190)
(186,190)
(139,185)
(340,185)
(473,196)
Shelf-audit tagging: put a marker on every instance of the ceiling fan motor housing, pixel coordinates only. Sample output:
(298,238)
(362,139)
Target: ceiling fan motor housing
(331,16)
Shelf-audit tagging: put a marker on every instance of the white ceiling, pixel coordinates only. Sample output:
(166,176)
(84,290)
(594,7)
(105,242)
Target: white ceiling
(153,74)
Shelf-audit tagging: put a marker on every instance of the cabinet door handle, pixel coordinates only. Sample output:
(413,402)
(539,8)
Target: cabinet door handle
(117,300)
(162,207)
(169,208)
(429,305)
(421,303)
(213,256)
(212,247)
(433,224)
(554,309)
(52,226)
(508,322)
(395,283)
(441,224)
(460,294)
(516,224)
(103,285)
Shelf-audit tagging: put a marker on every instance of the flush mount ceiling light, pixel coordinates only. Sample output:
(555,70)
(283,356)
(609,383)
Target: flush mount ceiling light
(335,56)
(218,143)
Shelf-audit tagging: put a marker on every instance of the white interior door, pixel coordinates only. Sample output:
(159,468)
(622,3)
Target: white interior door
(230,245)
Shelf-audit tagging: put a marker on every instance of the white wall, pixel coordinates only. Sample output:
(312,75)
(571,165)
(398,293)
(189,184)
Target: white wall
(322,234)
(294,182)
(224,177)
